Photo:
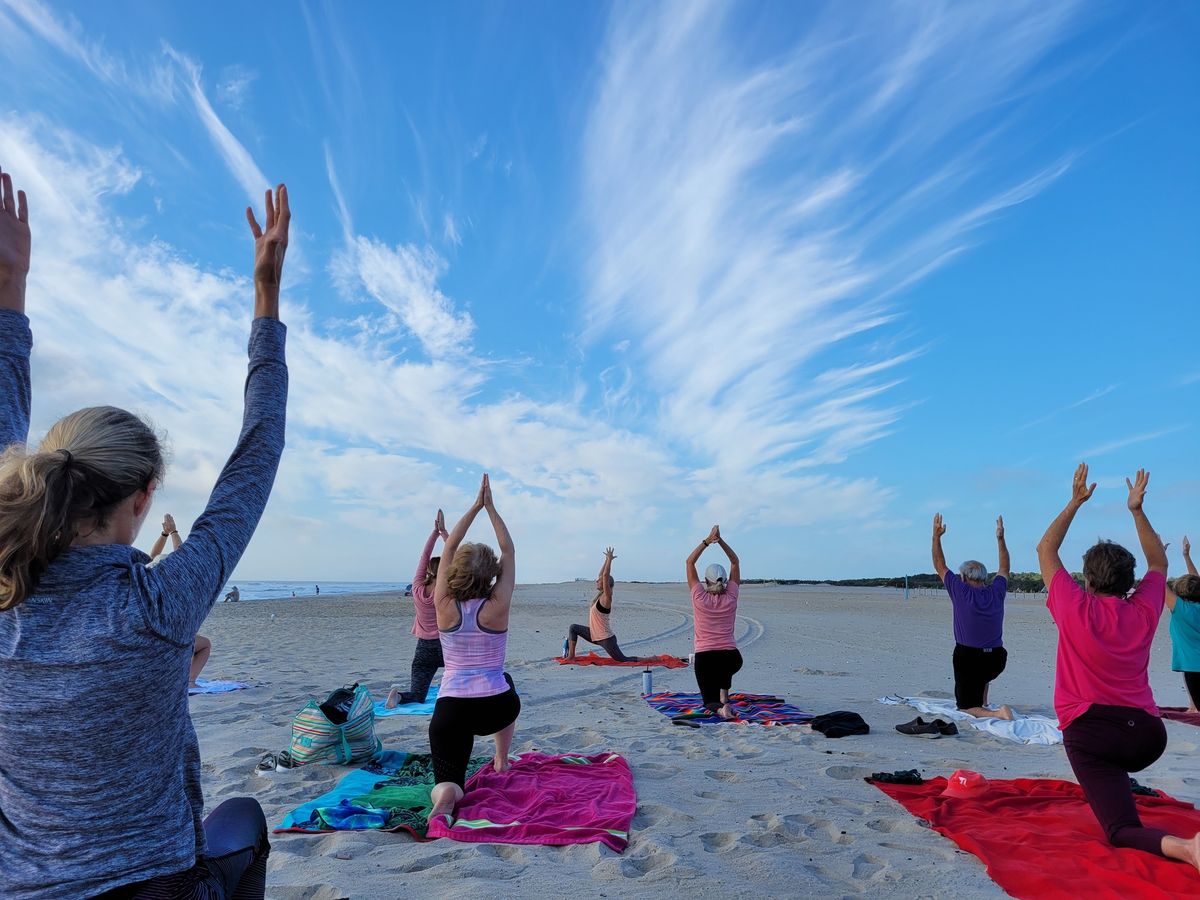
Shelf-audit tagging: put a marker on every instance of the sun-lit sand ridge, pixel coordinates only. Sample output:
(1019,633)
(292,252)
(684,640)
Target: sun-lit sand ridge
(734,811)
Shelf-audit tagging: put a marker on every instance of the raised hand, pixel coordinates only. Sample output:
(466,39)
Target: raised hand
(485,494)
(270,246)
(168,524)
(1081,492)
(714,535)
(610,554)
(999,528)
(939,527)
(1137,489)
(439,525)
(14,245)
(1187,546)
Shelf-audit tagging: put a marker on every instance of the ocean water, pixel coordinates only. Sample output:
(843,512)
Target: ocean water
(282,590)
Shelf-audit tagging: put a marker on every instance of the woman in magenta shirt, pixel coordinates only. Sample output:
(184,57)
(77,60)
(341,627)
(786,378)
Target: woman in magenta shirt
(714,609)
(1106,710)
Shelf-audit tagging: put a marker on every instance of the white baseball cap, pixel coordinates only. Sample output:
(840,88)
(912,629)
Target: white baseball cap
(715,573)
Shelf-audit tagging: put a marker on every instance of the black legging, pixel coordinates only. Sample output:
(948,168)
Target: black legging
(609,643)
(1104,745)
(1192,681)
(714,673)
(457,721)
(427,659)
(235,867)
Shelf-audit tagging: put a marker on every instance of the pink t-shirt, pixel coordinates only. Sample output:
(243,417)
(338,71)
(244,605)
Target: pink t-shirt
(714,615)
(425,620)
(1103,645)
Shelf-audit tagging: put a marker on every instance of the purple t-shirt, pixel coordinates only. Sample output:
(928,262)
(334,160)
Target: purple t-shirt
(978,611)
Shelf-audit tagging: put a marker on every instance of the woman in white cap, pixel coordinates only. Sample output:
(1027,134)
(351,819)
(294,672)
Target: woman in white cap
(714,609)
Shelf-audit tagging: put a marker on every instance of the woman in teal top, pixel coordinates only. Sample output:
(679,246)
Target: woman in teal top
(1185,627)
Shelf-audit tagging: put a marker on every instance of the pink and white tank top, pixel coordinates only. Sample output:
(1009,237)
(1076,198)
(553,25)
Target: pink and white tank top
(474,656)
(598,622)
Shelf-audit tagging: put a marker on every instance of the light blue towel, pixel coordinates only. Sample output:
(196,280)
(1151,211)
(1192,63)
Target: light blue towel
(356,783)
(410,709)
(216,687)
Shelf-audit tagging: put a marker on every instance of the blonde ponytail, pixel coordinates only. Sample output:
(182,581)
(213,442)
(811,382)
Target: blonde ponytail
(88,462)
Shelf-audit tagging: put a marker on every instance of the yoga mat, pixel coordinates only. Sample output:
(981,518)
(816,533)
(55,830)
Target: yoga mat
(409,709)
(595,659)
(1022,730)
(1039,839)
(216,687)
(751,709)
(389,793)
(543,799)
(1179,714)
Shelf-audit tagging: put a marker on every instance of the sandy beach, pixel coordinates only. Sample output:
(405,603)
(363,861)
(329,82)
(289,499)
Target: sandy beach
(735,811)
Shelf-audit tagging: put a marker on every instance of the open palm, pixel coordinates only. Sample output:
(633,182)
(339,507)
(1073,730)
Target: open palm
(14,230)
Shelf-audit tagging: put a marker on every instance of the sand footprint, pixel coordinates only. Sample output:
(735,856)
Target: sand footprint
(719,841)
(721,775)
(655,771)
(868,867)
(846,773)
(654,861)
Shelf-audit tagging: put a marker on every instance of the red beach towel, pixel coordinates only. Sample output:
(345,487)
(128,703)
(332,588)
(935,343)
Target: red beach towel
(545,799)
(1179,714)
(1038,838)
(595,659)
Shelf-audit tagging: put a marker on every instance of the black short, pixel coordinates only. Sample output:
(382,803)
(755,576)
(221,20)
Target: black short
(714,673)
(457,721)
(974,669)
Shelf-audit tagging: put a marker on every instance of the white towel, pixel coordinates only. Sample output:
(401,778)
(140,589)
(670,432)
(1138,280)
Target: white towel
(1022,729)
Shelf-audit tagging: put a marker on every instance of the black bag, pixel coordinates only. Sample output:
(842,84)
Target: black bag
(839,724)
(337,705)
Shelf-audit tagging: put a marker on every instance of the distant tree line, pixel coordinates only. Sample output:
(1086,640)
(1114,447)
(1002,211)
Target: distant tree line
(1019,582)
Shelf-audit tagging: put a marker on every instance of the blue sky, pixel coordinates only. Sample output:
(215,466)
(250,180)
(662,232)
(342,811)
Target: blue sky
(811,273)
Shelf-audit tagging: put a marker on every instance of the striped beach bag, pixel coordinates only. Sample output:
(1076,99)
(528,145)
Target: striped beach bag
(342,729)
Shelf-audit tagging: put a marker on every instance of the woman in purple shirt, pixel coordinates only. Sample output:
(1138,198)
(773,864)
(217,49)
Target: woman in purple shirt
(99,764)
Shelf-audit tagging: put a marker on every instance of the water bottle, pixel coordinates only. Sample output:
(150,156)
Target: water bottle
(647,683)
(566,645)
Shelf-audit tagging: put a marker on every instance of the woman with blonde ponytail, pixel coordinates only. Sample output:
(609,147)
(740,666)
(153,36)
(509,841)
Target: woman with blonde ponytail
(714,610)
(99,764)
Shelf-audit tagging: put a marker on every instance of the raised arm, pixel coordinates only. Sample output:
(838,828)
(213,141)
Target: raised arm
(441,593)
(605,571)
(439,529)
(182,589)
(16,340)
(735,566)
(1187,557)
(693,579)
(1052,540)
(1003,570)
(939,557)
(507,581)
(1152,545)
(168,530)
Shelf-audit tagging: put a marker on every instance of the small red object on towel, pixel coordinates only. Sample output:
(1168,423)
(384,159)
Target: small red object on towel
(1038,838)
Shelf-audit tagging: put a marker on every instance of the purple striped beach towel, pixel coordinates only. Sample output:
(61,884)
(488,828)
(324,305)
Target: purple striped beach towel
(751,709)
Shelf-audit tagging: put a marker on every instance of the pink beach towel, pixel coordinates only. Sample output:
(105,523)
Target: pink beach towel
(545,799)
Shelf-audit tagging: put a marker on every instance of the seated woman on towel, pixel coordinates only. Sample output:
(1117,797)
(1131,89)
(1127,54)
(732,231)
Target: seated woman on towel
(100,781)
(1106,710)
(1185,627)
(714,610)
(597,631)
(477,698)
(427,658)
(202,648)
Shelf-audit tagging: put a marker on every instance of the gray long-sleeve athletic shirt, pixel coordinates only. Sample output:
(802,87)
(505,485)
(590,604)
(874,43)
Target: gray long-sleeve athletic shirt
(99,763)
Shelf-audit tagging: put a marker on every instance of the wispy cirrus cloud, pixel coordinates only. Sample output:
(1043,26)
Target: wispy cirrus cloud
(1121,443)
(751,220)
(1093,396)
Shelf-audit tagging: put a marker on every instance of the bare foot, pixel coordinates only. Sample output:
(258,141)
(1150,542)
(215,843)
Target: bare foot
(393,699)
(1193,710)
(1194,846)
(444,808)
(500,763)
(1005,712)
(726,712)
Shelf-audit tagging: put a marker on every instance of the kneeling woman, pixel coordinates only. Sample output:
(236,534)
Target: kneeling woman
(1109,721)
(477,697)
(714,609)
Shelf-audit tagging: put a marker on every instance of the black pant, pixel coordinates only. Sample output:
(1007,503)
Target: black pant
(714,673)
(609,643)
(235,867)
(974,670)
(427,659)
(457,721)
(1103,746)
(1192,681)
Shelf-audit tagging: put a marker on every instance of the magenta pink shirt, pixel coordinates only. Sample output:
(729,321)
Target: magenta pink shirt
(425,620)
(714,616)
(1103,645)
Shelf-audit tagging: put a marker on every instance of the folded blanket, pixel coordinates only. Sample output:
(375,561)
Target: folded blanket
(216,687)
(389,793)
(1039,838)
(409,709)
(751,709)
(1179,714)
(1022,729)
(545,799)
(595,659)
